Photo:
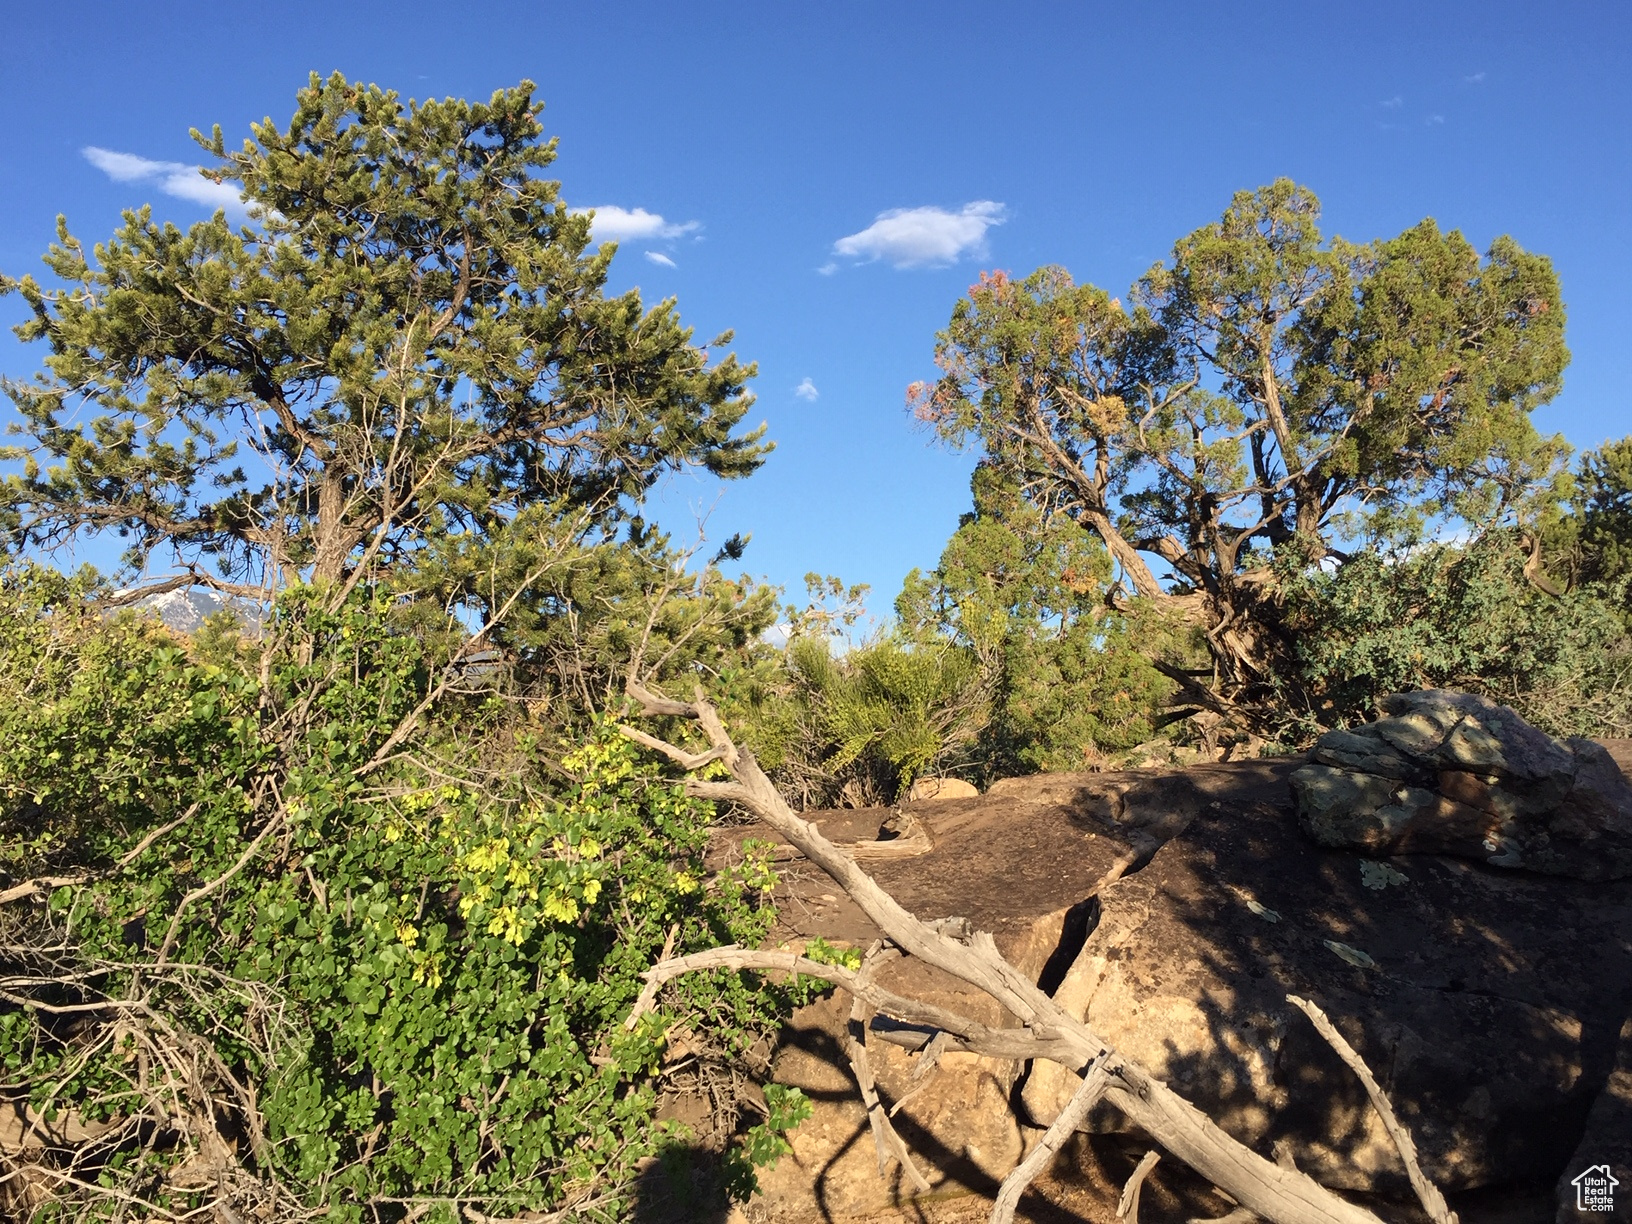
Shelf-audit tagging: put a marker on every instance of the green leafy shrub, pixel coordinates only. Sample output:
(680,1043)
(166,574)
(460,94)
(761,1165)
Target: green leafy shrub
(1456,617)
(305,959)
(859,726)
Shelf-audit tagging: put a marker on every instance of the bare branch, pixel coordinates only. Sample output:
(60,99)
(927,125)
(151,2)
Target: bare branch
(1433,1202)
(1075,1113)
(33,888)
(685,760)
(1127,1208)
(885,1136)
(135,852)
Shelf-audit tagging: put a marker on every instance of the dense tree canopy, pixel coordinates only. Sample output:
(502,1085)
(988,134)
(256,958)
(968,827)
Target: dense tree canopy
(1266,388)
(1067,680)
(1591,542)
(409,343)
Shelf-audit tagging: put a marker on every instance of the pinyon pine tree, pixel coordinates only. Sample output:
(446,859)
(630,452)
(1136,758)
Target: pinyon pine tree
(408,346)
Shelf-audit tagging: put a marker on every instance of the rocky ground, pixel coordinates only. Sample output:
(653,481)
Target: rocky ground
(1176,910)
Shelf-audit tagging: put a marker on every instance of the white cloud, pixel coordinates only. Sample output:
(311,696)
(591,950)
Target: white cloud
(661,259)
(173,178)
(614,224)
(1434,120)
(827,269)
(1477,78)
(806,390)
(924,237)
(1393,103)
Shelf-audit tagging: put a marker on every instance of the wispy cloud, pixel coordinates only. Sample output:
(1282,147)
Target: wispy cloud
(924,237)
(613,224)
(1393,103)
(661,259)
(1477,78)
(806,390)
(827,269)
(176,179)
(1434,120)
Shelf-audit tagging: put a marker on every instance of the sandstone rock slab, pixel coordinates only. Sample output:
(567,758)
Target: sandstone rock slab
(1487,1003)
(1453,773)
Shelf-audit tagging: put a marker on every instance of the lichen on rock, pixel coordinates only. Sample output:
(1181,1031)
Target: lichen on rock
(1454,773)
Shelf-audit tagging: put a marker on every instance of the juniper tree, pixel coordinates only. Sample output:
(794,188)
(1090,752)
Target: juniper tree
(1264,389)
(1067,678)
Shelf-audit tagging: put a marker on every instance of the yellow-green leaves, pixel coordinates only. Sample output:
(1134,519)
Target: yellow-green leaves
(420,983)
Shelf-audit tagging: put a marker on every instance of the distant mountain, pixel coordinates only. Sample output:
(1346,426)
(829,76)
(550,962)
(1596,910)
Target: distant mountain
(184,610)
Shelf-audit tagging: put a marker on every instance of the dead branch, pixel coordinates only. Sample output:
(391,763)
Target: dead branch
(925,1021)
(33,888)
(1433,1202)
(1046,1029)
(135,852)
(926,1069)
(885,1137)
(1127,1208)
(1063,1127)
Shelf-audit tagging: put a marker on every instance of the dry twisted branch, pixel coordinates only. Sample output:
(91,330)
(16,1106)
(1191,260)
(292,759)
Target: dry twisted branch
(1047,1029)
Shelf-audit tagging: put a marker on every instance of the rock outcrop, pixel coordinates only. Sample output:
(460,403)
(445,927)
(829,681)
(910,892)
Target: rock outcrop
(1606,1145)
(1451,773)
(927,789)
(1176,911)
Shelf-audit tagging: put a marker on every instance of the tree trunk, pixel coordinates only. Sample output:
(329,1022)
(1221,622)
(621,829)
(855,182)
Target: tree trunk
(333,544)
(1125,554)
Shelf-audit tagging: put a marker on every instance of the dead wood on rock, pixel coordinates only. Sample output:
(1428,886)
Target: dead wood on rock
(1063,1127)
(1045,1029)
(1433,1202)
(1127,1208)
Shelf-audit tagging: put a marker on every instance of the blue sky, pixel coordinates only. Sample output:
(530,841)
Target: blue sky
(826,179)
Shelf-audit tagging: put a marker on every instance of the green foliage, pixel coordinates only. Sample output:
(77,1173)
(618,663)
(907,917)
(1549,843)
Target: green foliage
(1006,659)
(410,345)
(71,778)
(367,895)
(1463,618)
(766,1143)
(887,711)
(1593,541)
(859,726)
(1266,389)
(403,984)
(1024,592)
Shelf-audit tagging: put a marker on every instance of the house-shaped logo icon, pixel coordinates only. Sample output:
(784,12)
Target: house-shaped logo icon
(1595,1189)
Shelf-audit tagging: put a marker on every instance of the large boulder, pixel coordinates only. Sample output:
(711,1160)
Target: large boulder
(925,790)
(1489,1003)
(1452,773)
(1605,1150)
(1018,864)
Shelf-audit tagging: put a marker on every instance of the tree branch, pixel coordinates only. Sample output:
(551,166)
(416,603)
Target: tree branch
(1063,1127)
(1433,1202)
(1280,1195)
(1127,1207)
